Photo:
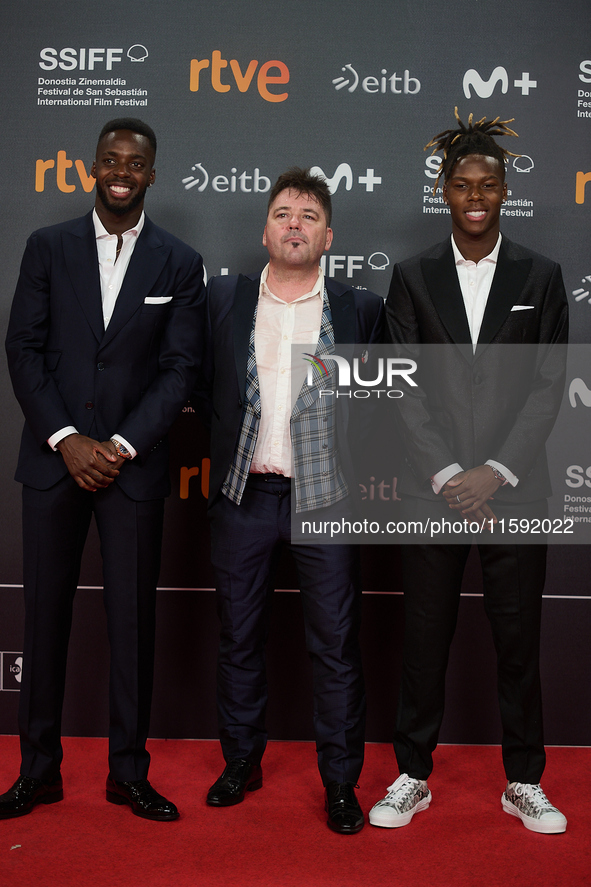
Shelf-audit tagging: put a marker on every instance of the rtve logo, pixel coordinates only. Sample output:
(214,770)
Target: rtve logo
(582,179)
(187,472)
(239,78)
(485,88)
(61,166)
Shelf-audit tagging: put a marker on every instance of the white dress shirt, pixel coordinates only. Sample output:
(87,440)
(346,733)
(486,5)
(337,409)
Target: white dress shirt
(475,281)
(279,325)
(112,268)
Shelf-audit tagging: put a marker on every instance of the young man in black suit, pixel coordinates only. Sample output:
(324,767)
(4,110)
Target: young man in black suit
(103,344)
(475,436)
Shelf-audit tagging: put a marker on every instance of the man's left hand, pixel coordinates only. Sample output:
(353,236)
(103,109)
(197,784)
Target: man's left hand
(109,445)
(470,490)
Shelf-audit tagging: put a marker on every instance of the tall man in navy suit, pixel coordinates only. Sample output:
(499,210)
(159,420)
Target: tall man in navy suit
(103,344)
(263,441)
(475,444)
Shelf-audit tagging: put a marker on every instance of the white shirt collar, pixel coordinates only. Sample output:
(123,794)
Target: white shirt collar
(317,289)
(101,231)
(492,256)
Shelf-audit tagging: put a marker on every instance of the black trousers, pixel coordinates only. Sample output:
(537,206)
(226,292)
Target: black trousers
(246,542)
(55,526)
(513,577)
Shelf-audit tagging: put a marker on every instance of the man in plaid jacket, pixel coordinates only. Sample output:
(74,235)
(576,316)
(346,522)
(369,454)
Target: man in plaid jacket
(264,440)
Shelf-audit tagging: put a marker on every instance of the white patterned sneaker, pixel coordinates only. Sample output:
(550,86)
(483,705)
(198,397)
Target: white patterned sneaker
(532,807)
(405,797)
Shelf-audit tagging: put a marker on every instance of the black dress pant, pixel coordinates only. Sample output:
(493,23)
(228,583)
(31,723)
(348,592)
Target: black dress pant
(55,526)
(246,542)
(513,578)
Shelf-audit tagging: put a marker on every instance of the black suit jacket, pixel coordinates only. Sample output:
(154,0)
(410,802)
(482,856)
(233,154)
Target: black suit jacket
(497,403)
(357,317)
(131,378)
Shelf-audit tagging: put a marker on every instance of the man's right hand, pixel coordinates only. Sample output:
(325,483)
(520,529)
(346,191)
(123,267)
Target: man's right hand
(88,461)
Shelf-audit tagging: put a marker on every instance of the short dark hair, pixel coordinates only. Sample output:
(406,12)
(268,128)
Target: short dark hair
(476,138)
(303,182)
(133,125)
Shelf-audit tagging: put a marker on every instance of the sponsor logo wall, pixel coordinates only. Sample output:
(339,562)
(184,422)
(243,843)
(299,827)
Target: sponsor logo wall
(237,94)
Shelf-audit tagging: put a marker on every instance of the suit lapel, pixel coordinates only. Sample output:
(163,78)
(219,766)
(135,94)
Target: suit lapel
(326,342)
(79,245)
(442,282)
(147,261)
(342,309)
(508,283)
(243,312)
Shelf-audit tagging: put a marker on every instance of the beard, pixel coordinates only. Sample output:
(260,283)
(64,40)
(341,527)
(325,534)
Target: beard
(115,206)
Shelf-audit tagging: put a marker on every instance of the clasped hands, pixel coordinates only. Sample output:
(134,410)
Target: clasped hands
(469,492)
(91,464)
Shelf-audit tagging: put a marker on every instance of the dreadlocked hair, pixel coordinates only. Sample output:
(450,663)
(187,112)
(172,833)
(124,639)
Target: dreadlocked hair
(476,138)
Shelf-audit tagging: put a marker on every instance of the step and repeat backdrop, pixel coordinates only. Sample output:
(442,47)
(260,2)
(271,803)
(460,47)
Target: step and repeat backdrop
(237,93)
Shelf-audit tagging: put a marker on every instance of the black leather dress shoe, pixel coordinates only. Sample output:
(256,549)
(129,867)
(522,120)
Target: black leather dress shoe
(142,798)
(239,777)
(345,816)
(26,792)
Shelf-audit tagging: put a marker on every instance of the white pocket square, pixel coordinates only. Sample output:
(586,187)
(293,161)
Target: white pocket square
(157,300)
(522,308)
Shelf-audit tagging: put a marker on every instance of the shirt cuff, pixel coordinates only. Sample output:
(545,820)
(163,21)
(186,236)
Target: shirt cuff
(440,479)
(511,479)
(126,444)
(59,435)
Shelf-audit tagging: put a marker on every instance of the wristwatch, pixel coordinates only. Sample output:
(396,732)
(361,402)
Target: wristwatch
(498,475)
(121,450)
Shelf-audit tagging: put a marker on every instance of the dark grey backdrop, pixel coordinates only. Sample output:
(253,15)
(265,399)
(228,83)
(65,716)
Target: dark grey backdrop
(357,92)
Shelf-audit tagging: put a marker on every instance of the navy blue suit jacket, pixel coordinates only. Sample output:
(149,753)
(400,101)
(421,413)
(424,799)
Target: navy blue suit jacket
(132,378)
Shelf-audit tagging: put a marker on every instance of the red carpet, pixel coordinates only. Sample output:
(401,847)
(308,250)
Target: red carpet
(278,837)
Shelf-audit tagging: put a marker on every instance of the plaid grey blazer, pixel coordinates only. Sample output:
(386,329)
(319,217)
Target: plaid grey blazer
(318,476)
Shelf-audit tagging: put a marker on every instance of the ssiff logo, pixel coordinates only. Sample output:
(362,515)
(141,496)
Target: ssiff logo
(522,163)
(87,59)
(485,88)
(332,263)
(270,74)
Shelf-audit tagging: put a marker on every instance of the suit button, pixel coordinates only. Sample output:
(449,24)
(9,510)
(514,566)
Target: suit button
(478,380)
(100,366)
(89,405)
